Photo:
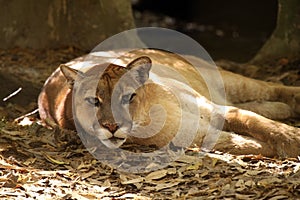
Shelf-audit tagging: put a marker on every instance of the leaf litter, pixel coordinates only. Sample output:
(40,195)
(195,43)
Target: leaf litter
(41,163)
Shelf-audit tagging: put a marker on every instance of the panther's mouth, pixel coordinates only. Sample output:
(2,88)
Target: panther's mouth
(109,139)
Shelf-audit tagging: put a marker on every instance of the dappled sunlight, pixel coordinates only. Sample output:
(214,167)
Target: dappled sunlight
(245,143)
(26,121)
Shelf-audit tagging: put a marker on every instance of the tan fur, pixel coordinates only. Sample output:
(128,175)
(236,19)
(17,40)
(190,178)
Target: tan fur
(244,132)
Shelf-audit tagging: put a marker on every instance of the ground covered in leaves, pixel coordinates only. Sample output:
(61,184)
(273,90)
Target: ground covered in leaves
(41,163)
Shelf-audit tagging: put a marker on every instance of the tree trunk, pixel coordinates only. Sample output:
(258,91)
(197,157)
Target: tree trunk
(57,23)
(285,40)
(51,24)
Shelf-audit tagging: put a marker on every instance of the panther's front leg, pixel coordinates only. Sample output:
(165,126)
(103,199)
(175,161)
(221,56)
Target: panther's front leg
(283,138)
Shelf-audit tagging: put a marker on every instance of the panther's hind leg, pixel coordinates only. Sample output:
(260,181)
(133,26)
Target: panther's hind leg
(242,91)
(291,96)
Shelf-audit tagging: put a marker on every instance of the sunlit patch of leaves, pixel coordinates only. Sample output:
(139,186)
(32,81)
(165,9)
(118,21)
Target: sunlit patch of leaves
(36,161)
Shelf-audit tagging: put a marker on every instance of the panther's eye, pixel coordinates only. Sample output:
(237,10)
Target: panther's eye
(126,99)
(93,101)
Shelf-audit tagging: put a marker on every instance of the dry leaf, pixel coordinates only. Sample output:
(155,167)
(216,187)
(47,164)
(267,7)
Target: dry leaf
(123,178)
(138,185)
(29,161)
(133,181)
(204,173)
(88,174)
(188,159)
(279,197)
(253,172)
(243,196)
(249,183)
(106,183)
(159,187)
(49,158)
(214,162)
(172,170)
(156,175)
(268,181)
(194,166)
(240,183)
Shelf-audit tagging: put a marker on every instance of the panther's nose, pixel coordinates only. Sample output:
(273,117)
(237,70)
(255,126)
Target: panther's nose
(112,127)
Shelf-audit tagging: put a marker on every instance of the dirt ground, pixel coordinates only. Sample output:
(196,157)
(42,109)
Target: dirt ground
(41,163)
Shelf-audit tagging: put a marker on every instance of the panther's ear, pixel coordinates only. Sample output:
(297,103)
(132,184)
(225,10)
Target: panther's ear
(70,74)
(140,68)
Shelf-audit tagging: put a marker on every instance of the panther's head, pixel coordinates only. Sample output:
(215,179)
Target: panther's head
(104,105)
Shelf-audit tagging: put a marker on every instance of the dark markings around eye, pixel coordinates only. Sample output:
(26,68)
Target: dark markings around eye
(93,101)
(126,99)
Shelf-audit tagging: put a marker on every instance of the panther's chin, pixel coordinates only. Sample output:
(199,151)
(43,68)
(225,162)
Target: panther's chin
(113,142)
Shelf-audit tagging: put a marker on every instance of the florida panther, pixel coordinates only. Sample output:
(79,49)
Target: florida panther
(133,87)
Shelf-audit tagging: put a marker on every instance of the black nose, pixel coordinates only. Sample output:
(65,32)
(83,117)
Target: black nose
(112,127)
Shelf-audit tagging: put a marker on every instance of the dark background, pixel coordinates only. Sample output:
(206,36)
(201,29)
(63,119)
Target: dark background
(230,29)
